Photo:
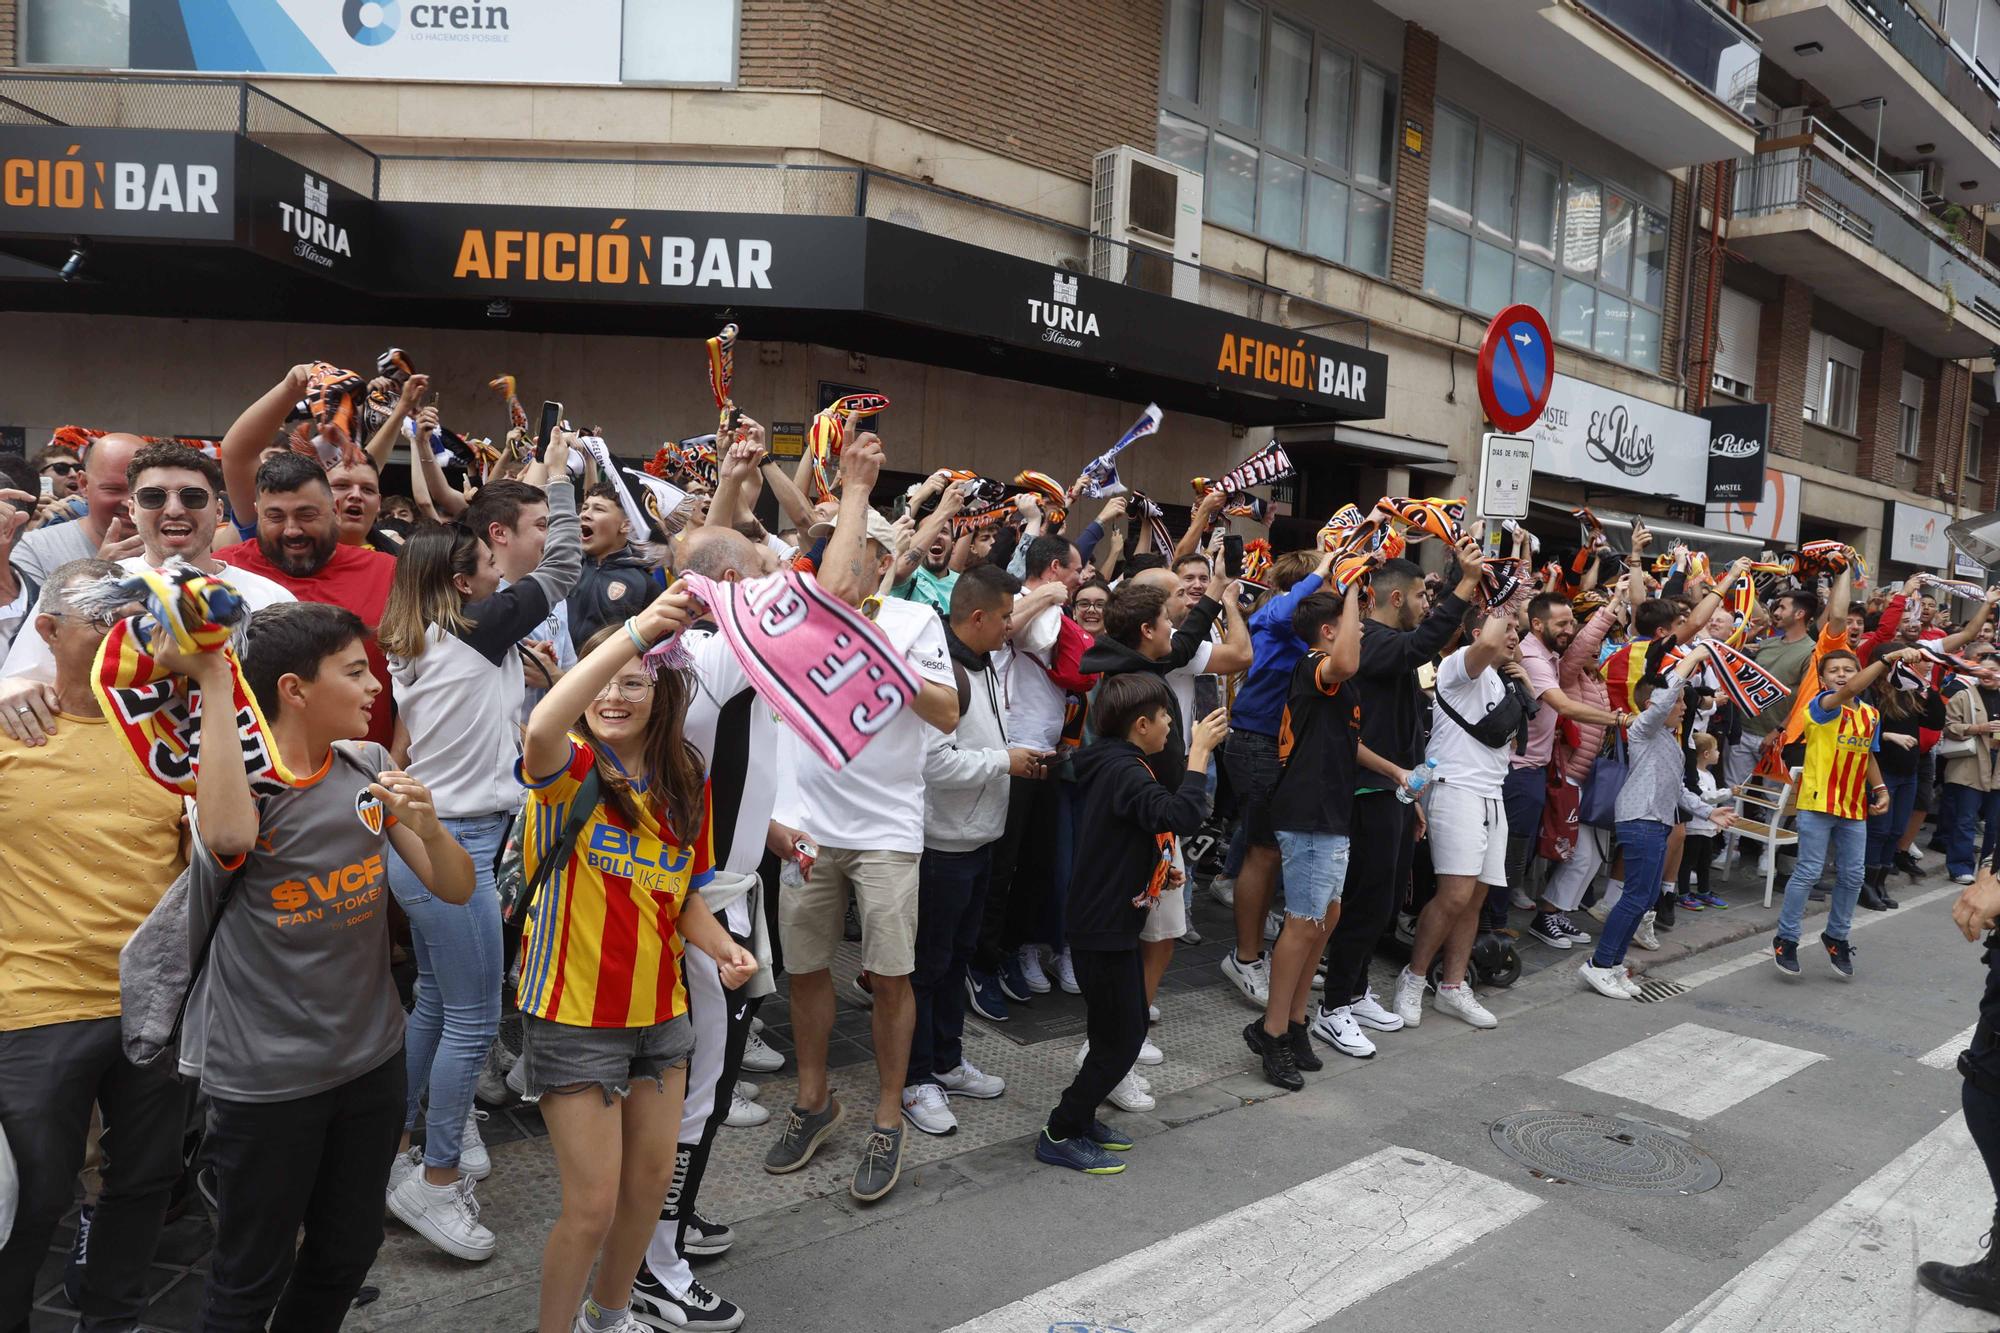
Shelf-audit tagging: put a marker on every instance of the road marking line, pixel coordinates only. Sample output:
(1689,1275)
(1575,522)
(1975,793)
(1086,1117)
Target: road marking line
(1730,967)
(1693,1071)
(1852,1267)
(1946,1056)
(1286,1263)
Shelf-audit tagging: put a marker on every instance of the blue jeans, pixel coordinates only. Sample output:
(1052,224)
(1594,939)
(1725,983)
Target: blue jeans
(1963,810)
(1644,844)
(951,904)
(1849,840)
(457,1012)
(1886,829)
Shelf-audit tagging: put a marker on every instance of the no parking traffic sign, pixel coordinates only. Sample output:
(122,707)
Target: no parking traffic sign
(1517,367)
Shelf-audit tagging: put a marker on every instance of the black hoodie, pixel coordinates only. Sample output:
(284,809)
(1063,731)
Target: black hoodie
(1123,809)
(608,591)
(1107,658)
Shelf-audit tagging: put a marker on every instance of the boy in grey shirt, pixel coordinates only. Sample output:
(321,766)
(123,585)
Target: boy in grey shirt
(295,1028)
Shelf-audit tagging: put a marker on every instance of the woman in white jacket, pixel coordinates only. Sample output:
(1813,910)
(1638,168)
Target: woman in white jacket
(966,778)
(452,636)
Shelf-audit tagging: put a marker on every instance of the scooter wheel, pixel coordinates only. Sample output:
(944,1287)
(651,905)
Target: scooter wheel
(1497,963)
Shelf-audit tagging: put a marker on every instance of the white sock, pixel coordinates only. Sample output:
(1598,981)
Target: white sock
(1614,889)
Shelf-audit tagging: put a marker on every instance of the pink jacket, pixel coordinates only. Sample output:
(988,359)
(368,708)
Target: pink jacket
(1582,680)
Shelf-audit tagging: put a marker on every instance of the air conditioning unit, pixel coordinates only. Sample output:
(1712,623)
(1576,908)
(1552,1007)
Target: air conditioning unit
(1911,182)
(1145,223)
(1932,191)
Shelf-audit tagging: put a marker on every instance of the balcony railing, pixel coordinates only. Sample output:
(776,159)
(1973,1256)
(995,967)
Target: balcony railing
(1708,47)
(1803,164)
(1963,85)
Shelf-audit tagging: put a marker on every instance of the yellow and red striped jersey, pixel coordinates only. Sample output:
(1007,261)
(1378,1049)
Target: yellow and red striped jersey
(1834,777)
(602,948)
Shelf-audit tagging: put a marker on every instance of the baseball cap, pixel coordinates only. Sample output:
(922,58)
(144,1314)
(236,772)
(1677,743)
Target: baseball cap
(881,530)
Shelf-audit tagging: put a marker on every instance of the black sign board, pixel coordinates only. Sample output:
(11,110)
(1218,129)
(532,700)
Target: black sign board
(1738,440)
(170,184)
(297,216)
(13,439)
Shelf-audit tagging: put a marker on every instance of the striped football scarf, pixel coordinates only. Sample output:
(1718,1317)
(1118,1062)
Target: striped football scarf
(827,436)
(1749,686)
(721,353)
(1100,475)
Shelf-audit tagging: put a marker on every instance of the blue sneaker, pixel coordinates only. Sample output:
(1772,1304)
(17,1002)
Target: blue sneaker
(982,992)
(1077,1154)
(1014,982)
(1109,1139)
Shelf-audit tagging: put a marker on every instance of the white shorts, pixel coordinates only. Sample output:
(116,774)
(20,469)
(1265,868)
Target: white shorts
(1468,833)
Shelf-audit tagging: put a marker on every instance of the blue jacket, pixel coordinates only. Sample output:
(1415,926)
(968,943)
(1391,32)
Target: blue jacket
(1260,704)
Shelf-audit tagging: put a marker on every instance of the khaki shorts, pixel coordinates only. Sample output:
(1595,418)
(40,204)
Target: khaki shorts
(885,898)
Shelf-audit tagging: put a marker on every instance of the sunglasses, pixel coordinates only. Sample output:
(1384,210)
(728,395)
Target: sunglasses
(155,497)
(62,469)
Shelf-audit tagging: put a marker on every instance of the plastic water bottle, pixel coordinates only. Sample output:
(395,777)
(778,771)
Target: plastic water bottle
(1420,777)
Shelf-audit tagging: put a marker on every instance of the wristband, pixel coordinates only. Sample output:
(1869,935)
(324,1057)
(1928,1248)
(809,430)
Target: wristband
(632,633)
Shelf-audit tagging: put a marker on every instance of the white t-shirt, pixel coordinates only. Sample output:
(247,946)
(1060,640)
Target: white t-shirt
(737,735)
(1035,707)
(1462,761)
(1181,681)
(15,613)
(876,803)
(30,657)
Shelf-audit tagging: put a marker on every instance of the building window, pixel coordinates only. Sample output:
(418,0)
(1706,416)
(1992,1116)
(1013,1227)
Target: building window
(1909,415)
(1292,132)
(1975,444)
(1833,383)
(1737,321)
(1501,216)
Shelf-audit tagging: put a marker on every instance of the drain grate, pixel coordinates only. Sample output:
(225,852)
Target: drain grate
(1606,1153)
(1652,992)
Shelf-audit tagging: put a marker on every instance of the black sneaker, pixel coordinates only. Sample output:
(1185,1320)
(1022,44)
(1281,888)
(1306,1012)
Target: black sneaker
(1976,1284)
(79,1258)
(1303,1054)
(701,1310)
(704,1239)
(1839,953)
(1908,865)
(850,927)
(1279,1066)
(1785,953)
(1545,929)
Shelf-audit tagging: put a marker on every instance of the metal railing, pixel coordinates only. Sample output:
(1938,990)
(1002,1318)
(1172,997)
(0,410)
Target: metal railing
(807,189)
(1708,47)
(1803,164)
(1932,56)
(233,106)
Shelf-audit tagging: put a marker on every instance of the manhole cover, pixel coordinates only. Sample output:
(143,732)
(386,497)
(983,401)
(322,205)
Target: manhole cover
(1606,1153)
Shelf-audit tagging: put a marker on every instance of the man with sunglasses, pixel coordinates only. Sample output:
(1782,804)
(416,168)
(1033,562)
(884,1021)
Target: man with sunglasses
(173,505)
(63,469)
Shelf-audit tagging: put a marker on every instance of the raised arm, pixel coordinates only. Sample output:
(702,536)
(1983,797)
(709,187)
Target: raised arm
(545,747)
(384,442)
(1953,642)
(252,433)
(1235,652)
(844,569)
(1488,648)
(1204,514)
(1345,659)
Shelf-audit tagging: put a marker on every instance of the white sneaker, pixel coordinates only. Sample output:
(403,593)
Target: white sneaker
(1066,974)
(1152,1013)
(1274,924)
(759,1058)
(1223,889)
(1133,1078)
(1319,977)
(1149,1054)
(1962,879)
(1337,1028)
(631,1323)
(968,1080)
(1631,984)
(1369,1013)
(492,1086)
(1520,899)
(924,1106)
(472,1156)
(744,1113)
(1128,1096)
(445,1215)
(1252,979)
(1606,981)
(1031,969)
(1644,936)
(1139,1080)
(749,1091)
(517,1078)
(1461,1003)
(406,1165)
(1916,854)
(1410,990)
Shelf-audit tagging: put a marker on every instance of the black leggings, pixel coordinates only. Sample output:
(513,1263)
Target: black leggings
(1696,859)
(1114,994)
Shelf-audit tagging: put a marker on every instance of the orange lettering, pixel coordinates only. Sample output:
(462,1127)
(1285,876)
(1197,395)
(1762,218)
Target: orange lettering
(18,191)
(559,256)
(1227,361)
(472,261)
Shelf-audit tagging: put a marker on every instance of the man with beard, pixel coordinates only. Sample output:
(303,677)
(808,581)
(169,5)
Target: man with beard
(174,492)
(298,547)
(1551,627)
(616,581)
(104,532)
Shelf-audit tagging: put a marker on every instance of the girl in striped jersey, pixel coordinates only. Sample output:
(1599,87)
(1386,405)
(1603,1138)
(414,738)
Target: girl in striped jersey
(1840,785)
(605,1031)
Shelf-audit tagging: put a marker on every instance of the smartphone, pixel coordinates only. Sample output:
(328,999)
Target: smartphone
(551,415)
(1232,556)
(48,486)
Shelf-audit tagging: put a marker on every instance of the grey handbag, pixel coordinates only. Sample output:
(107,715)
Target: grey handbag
(157,973)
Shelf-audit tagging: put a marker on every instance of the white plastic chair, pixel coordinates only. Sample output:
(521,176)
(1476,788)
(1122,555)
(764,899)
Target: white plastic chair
(1773,801)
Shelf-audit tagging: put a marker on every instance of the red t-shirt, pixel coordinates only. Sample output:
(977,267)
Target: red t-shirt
(354,578)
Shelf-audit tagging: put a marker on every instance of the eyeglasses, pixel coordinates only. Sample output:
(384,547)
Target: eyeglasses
(155,497)
(62,469)
(628,689)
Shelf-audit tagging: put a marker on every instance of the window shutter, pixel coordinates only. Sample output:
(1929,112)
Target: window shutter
(1815,372)
(1736,324)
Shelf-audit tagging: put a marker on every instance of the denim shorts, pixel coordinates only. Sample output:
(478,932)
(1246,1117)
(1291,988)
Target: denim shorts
(1315,871)
(560,1057)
